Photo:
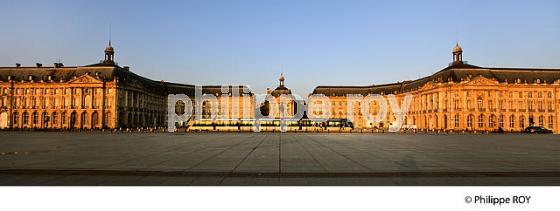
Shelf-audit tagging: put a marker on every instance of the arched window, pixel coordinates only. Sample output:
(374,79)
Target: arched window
(73,119)
(84,119)
(94,121)
(470,121)
(45,120)
(456,121)
(541,121)
(35,119)
(63,118)
(25,118)
(54,119)
(180,107)
(511,121)
(481,121)
(16,119)
(491,121)
(550,122)
(522,121)
(501,121)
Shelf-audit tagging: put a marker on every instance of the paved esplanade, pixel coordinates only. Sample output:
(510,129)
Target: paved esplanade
(95,158)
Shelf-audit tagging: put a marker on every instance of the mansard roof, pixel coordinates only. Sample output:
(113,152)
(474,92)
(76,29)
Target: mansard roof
(108,72)
(453,73)
(56,73)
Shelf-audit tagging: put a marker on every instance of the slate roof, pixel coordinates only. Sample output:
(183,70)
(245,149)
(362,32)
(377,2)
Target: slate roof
(105,71)
(455,73)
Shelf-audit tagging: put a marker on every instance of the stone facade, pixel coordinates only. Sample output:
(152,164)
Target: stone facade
(463,97)
(101,95)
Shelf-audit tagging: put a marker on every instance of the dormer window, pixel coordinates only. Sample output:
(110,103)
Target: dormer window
(30,77)
(49,78)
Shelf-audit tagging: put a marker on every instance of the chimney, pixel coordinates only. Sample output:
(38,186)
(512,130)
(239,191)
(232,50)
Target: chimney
(39,64)
(126,68)
(57,65)
(18,65)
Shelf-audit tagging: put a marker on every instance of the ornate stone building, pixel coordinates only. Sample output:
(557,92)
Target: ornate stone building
(102,95)
(285,103)
(105,95)
(464,97)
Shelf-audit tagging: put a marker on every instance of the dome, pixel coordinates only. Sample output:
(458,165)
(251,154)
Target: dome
(281,91)
(457,48)
(109,49)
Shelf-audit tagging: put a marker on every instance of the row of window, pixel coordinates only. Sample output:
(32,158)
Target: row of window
(140,100)
(510,94)
(54,102)
(53,120)
(52,91)
(522,121)
(521,104)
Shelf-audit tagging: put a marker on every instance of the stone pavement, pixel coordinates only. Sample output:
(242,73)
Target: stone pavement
(95,158)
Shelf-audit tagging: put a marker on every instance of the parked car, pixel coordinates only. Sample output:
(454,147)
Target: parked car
(536,129)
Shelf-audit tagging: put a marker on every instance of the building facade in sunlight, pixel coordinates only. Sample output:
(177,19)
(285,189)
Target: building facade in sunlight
(101,95)
(460,97)
(464,97)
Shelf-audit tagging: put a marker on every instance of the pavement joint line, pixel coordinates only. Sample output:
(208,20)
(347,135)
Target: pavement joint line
(312,156)
(190,151)
(170,149)
(243,160)
(338,153)
(73,172)
(216,155)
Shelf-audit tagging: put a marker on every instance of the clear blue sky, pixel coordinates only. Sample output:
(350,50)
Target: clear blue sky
(312,42)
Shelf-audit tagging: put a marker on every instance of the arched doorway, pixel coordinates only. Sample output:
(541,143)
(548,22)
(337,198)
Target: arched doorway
(83,120)
(73,120)
(94,120)
(45,120)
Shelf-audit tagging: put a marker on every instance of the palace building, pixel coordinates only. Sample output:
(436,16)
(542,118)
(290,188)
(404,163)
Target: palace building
(460,97)
(101,95)
(464,97)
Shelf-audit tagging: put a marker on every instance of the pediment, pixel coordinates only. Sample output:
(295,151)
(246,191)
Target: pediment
(85,79)
(428,85)
(481,80)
